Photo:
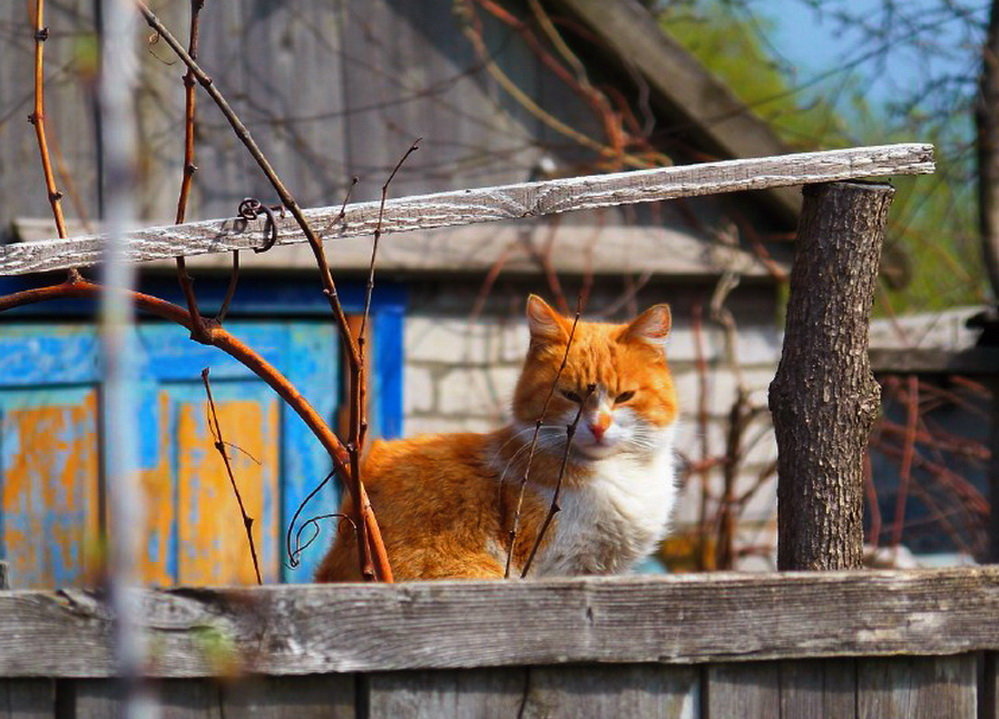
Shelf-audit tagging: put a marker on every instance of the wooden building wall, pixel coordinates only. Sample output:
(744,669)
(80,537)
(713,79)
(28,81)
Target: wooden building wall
(330,90)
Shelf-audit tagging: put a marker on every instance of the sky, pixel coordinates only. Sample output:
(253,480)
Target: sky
(814,43)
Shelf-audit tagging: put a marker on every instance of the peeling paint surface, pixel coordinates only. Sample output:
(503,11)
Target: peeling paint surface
(50,487)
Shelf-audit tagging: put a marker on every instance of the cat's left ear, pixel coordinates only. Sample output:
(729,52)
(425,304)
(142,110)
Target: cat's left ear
(651,326)
(545,323)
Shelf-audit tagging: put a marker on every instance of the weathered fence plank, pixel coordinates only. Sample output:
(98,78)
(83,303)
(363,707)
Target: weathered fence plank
(328,696)
(749,691)
(917,688)
(174,699)
(508,202)
(571,691)
(630,690)
(93,699)
(457,694)
(311,629)
(189,699)
(989,699)
(818,689)
(27,698)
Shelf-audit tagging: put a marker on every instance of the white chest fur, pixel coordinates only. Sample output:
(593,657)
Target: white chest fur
(616,518)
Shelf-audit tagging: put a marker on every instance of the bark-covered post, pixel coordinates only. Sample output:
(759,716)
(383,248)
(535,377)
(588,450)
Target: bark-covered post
(824,399)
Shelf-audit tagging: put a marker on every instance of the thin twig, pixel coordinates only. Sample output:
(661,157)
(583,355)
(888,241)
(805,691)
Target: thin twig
(554,508)
(216,430)
(874,533)
(295,550)
(738,417)
(369,288)
(190,105)
(187,285)
(512,534)
(346,198)
(705,559)
(37,118)
(489,280)
(905,473)
(293,555)
(230,290)
(359,383)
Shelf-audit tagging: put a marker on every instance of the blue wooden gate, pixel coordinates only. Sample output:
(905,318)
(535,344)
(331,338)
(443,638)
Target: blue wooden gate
(51,498)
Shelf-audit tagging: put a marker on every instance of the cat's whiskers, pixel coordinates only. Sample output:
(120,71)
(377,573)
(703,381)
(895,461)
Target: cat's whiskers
(528,429)
(544,442)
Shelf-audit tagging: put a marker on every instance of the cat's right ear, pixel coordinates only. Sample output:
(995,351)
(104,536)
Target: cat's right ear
(545,323)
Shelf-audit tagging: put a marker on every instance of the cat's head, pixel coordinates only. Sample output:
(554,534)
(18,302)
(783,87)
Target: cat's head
(617,373)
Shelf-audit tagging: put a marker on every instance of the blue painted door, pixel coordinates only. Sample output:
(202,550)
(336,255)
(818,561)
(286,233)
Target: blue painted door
(51,500)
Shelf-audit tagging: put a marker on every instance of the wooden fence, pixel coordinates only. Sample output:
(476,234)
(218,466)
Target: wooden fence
(837,644)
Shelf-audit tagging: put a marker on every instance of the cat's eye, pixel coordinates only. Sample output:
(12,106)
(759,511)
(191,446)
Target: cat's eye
(624,397)
(571,396)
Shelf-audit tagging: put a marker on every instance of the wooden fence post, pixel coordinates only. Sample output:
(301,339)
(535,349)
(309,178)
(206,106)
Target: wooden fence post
(824,398)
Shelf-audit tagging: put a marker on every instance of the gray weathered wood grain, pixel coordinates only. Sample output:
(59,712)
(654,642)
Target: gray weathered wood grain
(917,688)
(173,699)
(328,696)
(680,619)
(251,697)
(818,689)
(630,690)
(748,691)
(509,202)
(989,699)
(614,250)
(447,694)
(92,699)
(27,698)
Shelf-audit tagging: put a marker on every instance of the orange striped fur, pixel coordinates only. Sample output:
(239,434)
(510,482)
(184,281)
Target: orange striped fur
(445,503)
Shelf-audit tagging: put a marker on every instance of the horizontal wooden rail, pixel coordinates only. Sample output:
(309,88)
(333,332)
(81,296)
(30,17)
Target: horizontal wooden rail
(507,202)
(314,629)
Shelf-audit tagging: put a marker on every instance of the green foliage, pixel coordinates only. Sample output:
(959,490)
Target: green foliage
(933,255)
(733,49)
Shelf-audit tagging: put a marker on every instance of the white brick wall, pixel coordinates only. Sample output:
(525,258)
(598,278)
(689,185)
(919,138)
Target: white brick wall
(460,376)
(944,330)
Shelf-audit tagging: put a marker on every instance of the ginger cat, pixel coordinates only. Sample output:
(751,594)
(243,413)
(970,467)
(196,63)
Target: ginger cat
(445,503)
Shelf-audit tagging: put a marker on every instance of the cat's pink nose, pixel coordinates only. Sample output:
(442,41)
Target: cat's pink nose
(599,425)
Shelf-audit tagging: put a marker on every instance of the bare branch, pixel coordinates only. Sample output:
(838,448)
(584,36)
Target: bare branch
(554,508)
(37,118)
(216,430)
(186,284)
(534,444)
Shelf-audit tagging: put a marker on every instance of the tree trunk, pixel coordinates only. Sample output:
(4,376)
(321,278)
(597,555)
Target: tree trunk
(987,123)
(824,398)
